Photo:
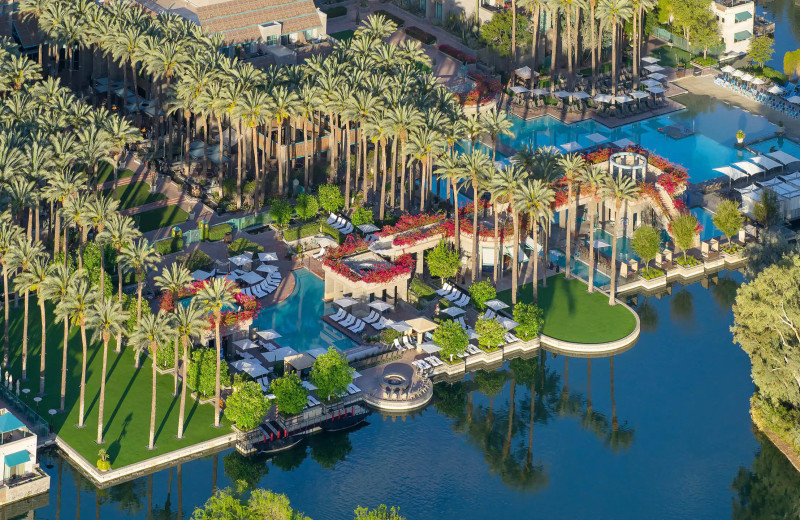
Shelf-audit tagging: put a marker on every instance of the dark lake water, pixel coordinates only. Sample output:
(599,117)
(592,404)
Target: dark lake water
(662,432)
(786,15)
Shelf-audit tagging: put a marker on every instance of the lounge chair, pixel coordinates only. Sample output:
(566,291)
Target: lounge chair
(332,219)
(338,316)
(373,317)
(461,322)
(453,296)
(382,324)
(348,321)
(446,289)
(358,327)
(463,301)
(319,254)
(489,314)
(428,336)
(398,345)
(347,229)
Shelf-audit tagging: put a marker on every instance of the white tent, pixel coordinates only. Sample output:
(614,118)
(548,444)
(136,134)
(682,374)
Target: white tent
(765,162)
(783,157)
(508,323)
(597,138)
(770,183)
(775,89)
(731,172)
(749,168)
(794,178)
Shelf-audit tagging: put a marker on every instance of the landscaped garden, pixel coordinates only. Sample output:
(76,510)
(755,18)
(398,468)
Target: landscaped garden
(105,173)
(573,314)
(134,194)
(160,217)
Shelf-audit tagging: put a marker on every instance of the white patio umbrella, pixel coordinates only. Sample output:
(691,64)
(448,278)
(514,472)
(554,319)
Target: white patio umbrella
(496,304)
(571,146)
(562,94)
(656,90)
(400,326)
(267,268)
(775,89)
(268,335)
(454,311)
(638,94)
(524,72)
(653,67)
(758,81)
(201,275)
(651,83)
(650,59)
(345,302)
(251,278)
(517,89)
(379,305)
(268,257)
(727,69)
(430,348)
(539,92)
(603,98)
(737,73)
(657,76)
(623,99)
(241,260)
(579,94)
(507,323)
(250,368)
(368,228)
(597,138)
(600,243)
(747,77)
(245,344)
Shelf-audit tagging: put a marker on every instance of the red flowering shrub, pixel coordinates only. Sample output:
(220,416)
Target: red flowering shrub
(485,90)
(408,222)
(247,306)
(680,205)
(560,199)
(457,54)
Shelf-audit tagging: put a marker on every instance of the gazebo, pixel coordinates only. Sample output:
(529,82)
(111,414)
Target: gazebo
(421,325)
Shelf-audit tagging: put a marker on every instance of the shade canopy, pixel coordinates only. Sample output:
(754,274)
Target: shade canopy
(201,275)
(656,90)
(623,99)
(539,92)
(422,324)
(638,94)
(766,162)
(603,98)
(379,305)
(651,83)
(758,81)
(657,76)
(245,344)
(496,304)
(580,95)
(731,172)
(454,311)
(775,89)
(345,302)
(599,243)
(267,268)
(650,59)
(251,278)
(624,142)
(268,335)
(562,94)
(268,257)
(430,348)
(748,77)
(524,72)
(508,323)
(517,89)
(737,74)
(17,458)
(571,146)
(9,423)
(368,228)
(241,260)
(653,67)
(727,69)
(249,368)
(597,138)
(793,99)
(783,157)
(400,326)
(280,354)
(749,168)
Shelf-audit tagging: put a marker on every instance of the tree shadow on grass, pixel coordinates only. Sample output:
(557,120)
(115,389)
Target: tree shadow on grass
(164,420)
(108,377)
(190,415)
(119,403)
(114,447)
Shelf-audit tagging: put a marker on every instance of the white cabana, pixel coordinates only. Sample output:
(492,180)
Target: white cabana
(524,72)
(749,168)
(638,94)
(345,302)
(656,90)
(747,77)
(571,146)
(775,89)
(245,344)
(496,304)
(430,348)
(251,278)
(623,99)
(651,83)
(453,311)
(731,172)
(268,257)
(653,67)
(737,74)
(250,368)
(657,76)
(379,305)
(368,228)
(201,275)
(561,94)
(770,183)
(579,94)
(794,99)
(279,354)
(623,143)
(241,260)
(597,138)
(267,268)
(268,335)
(650,59)
(400,326)
(727,69)
(517,89)
(758,81)
(603,98)
(766,162)
(539,92)
(783,157)
(794,178)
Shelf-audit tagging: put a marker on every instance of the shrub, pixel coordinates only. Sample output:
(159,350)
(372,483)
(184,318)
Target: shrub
(218,232)
(530,318)
(195,260)
(452,339)
(169,245)
(417,33)
(246,406)
(646,243)
(240,245)
(335,12)
(202,369)
(491,333)
(306,206)
(650,273)
(457,54)
(443,260)
(102,460)
(281,213)
(165,355)
(362,215)
(421,290)
(481,292)
(389,16)
(331,374)
(683,230)
(311,229)
(388,335)
(330,198)
(290,394)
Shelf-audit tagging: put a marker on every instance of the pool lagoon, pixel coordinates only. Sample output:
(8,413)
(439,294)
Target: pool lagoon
(775,144)
(298,318)
(705,219)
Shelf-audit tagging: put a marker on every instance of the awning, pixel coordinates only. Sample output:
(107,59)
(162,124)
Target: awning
(18,457)
(9,423)
(521,257)
(744,15)
(742,35)
(765,162)
(571,146)
(748,167)
(783,157)
(731,172)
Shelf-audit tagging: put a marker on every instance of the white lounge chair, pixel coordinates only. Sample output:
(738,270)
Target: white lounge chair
(357,327)
(348,321)
(373,317)
(331,219)
(446,289)
(347,229)
(338,316)
(460,321)
(462,301)
(319,254)
(489,314)
(398,345)
(382,324)
(409,343)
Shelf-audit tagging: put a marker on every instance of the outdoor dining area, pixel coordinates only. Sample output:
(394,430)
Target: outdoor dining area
(258,283)
(784,99)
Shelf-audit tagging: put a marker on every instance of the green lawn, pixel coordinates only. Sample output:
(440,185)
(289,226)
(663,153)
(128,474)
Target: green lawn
(159,218)
(343,35)
(134,194)
(127,404)
(572,314)
(105,173)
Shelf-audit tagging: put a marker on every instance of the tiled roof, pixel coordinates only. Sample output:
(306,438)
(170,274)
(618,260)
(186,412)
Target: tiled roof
(239,20)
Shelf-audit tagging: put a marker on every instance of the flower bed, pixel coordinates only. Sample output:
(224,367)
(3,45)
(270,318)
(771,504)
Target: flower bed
(674,178)
(247,306)
(403,265)
(418,34)
(457,54)
(486,89)
(687,261)
(408,222)
(651,273)
(350,247)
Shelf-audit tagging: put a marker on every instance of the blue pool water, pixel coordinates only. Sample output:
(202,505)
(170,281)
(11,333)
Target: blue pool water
(297,318)
(580,269)
(624,250)
(715,125)
(777,143)
(704,218)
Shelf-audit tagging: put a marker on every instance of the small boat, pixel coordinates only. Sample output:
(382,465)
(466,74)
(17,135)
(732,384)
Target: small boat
(338,422)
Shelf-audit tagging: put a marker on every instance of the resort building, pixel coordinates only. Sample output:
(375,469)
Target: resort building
(251,27)
(736,20)
(22,477)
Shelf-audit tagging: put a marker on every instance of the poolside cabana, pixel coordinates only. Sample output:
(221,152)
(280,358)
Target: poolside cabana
(733,174)
(249,367)
(301,365)
(766,162)
(279,354)
(749,168)
(623,99)
(784,158)
(596,138)
(421,325)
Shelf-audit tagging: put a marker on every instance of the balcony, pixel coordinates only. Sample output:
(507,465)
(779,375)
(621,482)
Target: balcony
(732,3)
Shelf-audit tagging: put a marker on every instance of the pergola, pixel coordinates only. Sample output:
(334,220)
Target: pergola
(421,325)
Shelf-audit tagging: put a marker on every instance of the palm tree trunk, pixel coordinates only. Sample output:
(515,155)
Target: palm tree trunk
(382,208)
(535,36)
(44,344)
(554,49)
(153,402)
(118,346)
(347,166)
(183,387)
(475,231)
(614,58)
(25,339)
(375,176)
(591,256)
(5,314)
(513,32)
(57,237)
(102,402)
(514,262)
(511,405)
(393,182)
(83,374)
(496,272)
(535,280)
(64,364)
(216,380)
(175,366)
(403,175)
(307,155)
(221,164)
(457,231)
(613,292)
(570,216)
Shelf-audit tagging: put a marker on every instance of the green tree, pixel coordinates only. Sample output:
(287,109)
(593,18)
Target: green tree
(760,50)
(290,394)
(728,218)
(202,370)
(331,373)
(443,260)
(362,215)
(530,318)
(497,33)
(481,292)
(330,198)
(451,338)
(246,406)
(281,213)
(381,513)
(306,206)
(791,63)
(767,210)
(705,32)
(683,230)
(261,504)
(768,250)
(491,333)
(646,243)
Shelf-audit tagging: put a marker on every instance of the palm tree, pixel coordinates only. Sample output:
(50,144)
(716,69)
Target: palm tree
(189,321)
(495,123)
(214,297)
(404,118)
(119,232)
(10,235)
(139,256)
(614,13)
(573,166)
(283,104)
(31,280)
(106,319)
(478,166)
(535,198)
(593,178)
(150,333)
(173,280)
(79,303)
(56,287)
(504,185)
(426,144)
(619,190)
(22,259)
(121,133)
(101,211)
(453,170)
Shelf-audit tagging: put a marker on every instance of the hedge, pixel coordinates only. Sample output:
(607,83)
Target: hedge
(218,232)
(169,245)
(419,34)
(335,12)
(311,229)
(389,16)
(457,53)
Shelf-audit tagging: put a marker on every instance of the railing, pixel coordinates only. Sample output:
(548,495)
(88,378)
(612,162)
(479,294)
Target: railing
(37,424)
(682,43)
(192,236)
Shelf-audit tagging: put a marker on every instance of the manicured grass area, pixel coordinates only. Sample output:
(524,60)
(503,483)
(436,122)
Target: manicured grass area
(343,35)
(127,404)
(572,314)
(134,194)
(105,173)
(159,218)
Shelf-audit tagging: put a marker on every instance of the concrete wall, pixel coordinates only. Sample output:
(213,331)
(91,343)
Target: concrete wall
(729,26)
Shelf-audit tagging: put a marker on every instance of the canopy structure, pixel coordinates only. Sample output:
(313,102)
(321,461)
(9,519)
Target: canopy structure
(245,344)
(603,98)
(579,94)
(267,268)
(657,76)
(201,275)
(368,228)
(400,326)
(731,172)
(517,89)
(783,157)
(650,59)
(422,324)
(775,89)
(345,302)
(280,354)
(249,368)
(268,257)
(794,99)
(638,94)
(656,90)
(251,278)
(454,311)
(623,143)
(597,138)
(749,168)
(794,178)
(496,304)
(430,348)
(17,458)
(623,99)
(651,83)
(539,92)
(9,423)
(562,94)
(653,67)
(571,146)
(268,335)
(758,81)
(379,305)
(765,162)
(524,72)
(748,78)
(241,260)
(727,69)
(508,323)
(737,74)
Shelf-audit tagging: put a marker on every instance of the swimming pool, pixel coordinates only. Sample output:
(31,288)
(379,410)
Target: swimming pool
(777,143)
(715,125)
(298,318)
(624,250)
(579,269)
(704,218)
